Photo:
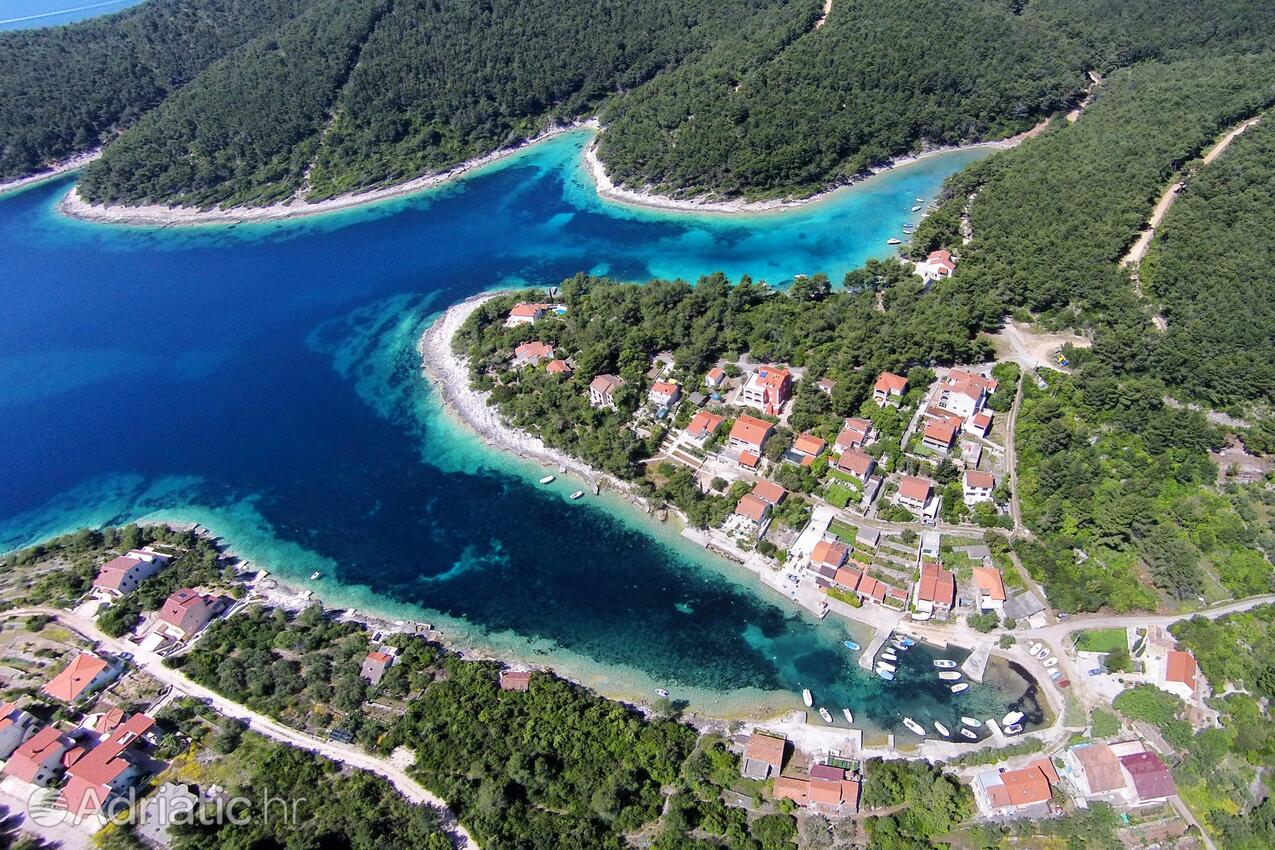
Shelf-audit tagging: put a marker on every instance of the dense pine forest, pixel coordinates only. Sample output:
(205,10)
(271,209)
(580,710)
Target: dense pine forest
(747,98)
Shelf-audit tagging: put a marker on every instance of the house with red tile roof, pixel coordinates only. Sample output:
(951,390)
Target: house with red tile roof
(515,680)
(16,728)
(1097,773)
(937,266)
(531,353)
(935,591)
(558,367)
(1009,792)
(767,389)
(858,463)
(120,576)
(889,389)
(769,492)
(85,674)
(793,788)
(826,385)
(938,436)
(980,424)
(39,759)
(704,425)
(375,665)
(964,393)
(827,790)
(1180,674)
(754,510)
(107,770)
(750,434)
(602,390)
(991,588)
(831,553)
(715,378)
(807,447)
(977,486)
(525,313)
(914,494)
(1150,777)
(664,394)
(763,756)
(749,460)
(186,613)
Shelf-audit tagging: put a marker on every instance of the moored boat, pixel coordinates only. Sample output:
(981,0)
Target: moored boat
(886,665)
(1051,662)
(916,208)
(893,241)
(548,479)
(944,663)
(888,656)
(825,714)
(807,698)
(949,675)
(577,494)
(885,674)
(1011,718)
(660,692)
(851,645)
(314,576)
(906,641)
(972,722)
(849,715)
(968,734)
(960,686)
(914,726)
(943,730)
(1013,729)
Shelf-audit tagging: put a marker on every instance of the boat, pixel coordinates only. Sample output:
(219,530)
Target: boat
(577,494)
(972,722)
(1043,652)
(314,576)
(887,666)
(1051,662)
(885,674)
(851,645)
(914,726)
(898,644)
(1011,718)
(807,698)
(848,714)
(548,479)
(660,692)
(968,734)
(944,663)
(893,241)
(907,641)
(916,208)
(825,714)
(888,656)
(920,200)
(943,730)
(1013,729)
(1034,648)
(960,686)
(949,675)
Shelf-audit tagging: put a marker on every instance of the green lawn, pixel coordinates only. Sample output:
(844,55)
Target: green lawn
(839,496)
(1100,640)
(843,531)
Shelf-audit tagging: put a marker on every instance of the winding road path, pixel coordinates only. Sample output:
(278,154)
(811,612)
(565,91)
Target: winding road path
(346,754)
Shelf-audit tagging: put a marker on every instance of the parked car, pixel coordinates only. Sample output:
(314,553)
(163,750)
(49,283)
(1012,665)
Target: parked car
(1097,671)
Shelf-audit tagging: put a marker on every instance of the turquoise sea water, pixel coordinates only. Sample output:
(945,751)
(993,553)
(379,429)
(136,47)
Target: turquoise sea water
(30,14)
(263,380)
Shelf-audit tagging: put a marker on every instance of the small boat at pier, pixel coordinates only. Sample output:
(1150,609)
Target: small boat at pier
(885,674)
(807,698)
(848,714)
(851,645)
(972,722)
(943,730)
(944,663)
(949,675)
(968,734)
(905,640)
(893,241)
(888,656)
(1013,728)
(1011,718)
(825,714)
(887,666)
(915,727)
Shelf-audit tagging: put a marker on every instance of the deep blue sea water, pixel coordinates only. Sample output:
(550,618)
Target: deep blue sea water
(263,380)
(29,14)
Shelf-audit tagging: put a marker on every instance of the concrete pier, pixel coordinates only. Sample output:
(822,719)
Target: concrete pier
(976,664)
(868,657)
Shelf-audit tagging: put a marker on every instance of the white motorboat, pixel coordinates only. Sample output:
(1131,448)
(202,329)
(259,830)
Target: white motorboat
(577,494)
(848,714)
(825,714)
(968,734)
(893,241)
(920,200)
(916,208)
(885,674)
(950,675)
(1013,729)
(960,686)
(1051,662)
(944,663)
(314,576)
(888,656)
(1011,718)
(548,479)
(807,698)
(887,666)
(660,692)
(972,722)
(1034,648)
(915,727)
(943,730)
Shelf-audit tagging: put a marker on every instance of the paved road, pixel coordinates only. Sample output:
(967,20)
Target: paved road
(263,725)
(1059,630)
(1011,458)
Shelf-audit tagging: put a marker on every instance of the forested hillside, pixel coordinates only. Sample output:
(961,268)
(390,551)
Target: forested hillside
(405,86)
(64,90)
(1210,270)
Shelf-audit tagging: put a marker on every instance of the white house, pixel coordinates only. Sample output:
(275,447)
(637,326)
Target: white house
(120,576)
(978,486)
(664,394)
(602,390)
(991,588)
(889,389)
